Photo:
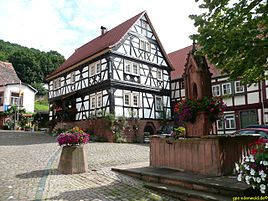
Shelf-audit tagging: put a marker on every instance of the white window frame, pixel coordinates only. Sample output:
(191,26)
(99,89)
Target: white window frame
(16,100)
(99,100)
(160,106)
(144,27)
(223,90)
(228,119)
(92,102)
(72,77)
(92,70)
(239,88)
(226,122)
(129,68)
(159,74)
(133,102)
(219,91)
(57,83)
(98,68)
(145,45)
(136,66)
(129,99)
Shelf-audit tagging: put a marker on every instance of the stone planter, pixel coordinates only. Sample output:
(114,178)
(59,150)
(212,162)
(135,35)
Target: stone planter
(73,160)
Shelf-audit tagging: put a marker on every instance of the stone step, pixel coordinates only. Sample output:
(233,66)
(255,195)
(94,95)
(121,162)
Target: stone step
(217,185)
(186,194)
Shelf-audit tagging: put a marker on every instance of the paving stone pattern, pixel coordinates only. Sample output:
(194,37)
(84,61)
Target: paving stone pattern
(28,171)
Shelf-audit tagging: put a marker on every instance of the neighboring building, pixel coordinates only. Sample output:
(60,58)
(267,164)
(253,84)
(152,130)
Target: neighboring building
(124,71)
(247,105)
(13,92)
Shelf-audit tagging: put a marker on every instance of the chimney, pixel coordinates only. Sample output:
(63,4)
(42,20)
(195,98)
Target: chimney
(103,30)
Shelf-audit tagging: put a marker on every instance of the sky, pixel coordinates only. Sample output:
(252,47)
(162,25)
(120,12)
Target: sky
(65,25)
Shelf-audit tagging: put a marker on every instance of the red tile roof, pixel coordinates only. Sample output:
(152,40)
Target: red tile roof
(7,74)
(105,41)
(178,59)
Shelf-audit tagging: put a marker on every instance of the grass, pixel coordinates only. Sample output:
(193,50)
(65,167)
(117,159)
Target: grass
(41,106)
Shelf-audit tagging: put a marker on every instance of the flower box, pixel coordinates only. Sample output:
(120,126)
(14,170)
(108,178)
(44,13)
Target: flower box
(73,157)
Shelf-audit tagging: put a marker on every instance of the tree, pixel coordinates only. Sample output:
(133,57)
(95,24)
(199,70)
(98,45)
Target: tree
(234,37)
(31,65)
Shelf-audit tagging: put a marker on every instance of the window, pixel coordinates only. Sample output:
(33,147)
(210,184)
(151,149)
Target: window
(16,99)
(59,83)
(72,77)
(135,68)
(99,101)
(93,102)
(135,100)
(127,99)
(54,84)
(131,99)
(226,88)
(158,103)
(159,74)
(98,68)
(239,88)
(228,122)
(145,45)
(132,68)
(128,67)
(92,70)
(216,90)
(1,99)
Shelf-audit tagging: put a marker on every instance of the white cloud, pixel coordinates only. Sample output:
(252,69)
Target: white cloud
(66,25)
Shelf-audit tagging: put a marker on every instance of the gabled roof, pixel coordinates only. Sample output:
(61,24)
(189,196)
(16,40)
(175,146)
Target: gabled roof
(105,41)
(7,74)
(178,59)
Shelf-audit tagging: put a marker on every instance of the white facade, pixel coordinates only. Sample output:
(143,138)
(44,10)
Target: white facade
(19,94)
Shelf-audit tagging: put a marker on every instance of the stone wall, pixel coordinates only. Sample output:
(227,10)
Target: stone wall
(211,155)
(101,128)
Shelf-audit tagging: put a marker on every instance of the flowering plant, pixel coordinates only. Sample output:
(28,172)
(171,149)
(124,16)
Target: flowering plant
(72,137)
(254,168)
(188,108)
(178,132)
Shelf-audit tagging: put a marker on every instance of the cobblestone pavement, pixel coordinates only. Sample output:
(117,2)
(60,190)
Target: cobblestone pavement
(28,171)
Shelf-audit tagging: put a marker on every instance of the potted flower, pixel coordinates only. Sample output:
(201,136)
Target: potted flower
(73,156)
(177,133)
(187,109)
(253,169)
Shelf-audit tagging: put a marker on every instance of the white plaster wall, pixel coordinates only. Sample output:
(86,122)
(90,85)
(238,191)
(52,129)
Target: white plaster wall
(228,101)
(239,100)
(252,87)
(28,96)
(253,98)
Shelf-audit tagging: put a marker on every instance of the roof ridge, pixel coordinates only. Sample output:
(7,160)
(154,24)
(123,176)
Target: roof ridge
(98,44)
(109,31)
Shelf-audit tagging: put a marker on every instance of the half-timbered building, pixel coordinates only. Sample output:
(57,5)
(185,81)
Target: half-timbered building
(246,105)
(125,71)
